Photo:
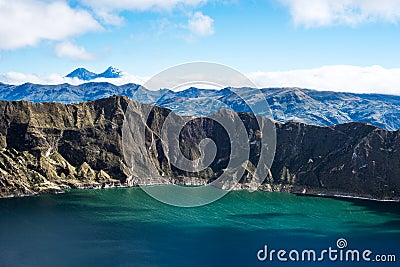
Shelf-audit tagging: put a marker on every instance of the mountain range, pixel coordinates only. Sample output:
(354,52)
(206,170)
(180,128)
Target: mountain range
(307,106)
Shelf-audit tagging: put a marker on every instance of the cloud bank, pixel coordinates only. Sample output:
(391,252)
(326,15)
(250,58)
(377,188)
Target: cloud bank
(317,13)
(340,78)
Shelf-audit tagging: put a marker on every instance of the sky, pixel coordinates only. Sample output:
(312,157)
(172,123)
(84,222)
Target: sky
(341,45)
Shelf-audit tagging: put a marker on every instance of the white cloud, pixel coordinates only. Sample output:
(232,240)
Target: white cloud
(341,78)
(17,78)
(26,22)
(201,24)
(70,50)
(124,79)
(342,12)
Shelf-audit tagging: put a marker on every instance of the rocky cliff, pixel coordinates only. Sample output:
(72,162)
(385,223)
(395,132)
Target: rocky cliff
(49,147)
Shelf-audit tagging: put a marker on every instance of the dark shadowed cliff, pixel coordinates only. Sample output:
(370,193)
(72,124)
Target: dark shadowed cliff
(48,147)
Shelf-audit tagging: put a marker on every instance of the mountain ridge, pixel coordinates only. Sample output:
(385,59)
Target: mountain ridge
(285,104)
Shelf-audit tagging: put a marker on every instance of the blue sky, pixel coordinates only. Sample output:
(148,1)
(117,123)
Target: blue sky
(142,37)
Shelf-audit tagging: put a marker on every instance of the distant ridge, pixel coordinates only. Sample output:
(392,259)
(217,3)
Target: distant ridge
(307,106)
(86,75)
(285,104)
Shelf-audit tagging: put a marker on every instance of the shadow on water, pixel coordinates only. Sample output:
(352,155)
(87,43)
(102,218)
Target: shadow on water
(388,226)
(266,215)
(377,207)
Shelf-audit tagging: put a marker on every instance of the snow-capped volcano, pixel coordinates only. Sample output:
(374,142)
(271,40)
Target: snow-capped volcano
(86,75)
(111,72)
(82,74)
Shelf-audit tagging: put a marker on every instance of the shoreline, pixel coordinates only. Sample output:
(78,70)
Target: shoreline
(338,196)
(347,197)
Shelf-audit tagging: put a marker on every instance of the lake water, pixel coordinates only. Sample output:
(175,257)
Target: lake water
(126,227)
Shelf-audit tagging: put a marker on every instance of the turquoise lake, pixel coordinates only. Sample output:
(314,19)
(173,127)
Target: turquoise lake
(126,227)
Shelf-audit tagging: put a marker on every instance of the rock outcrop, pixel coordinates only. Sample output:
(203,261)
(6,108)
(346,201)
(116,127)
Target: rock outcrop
(50,147)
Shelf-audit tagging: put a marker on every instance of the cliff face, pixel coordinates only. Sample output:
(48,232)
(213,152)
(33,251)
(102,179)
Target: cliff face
(48,147)
(51,146)
(353,159)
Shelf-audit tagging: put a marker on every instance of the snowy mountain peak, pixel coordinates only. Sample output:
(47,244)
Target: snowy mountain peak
(111,72)
(85,75)
(82,74)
